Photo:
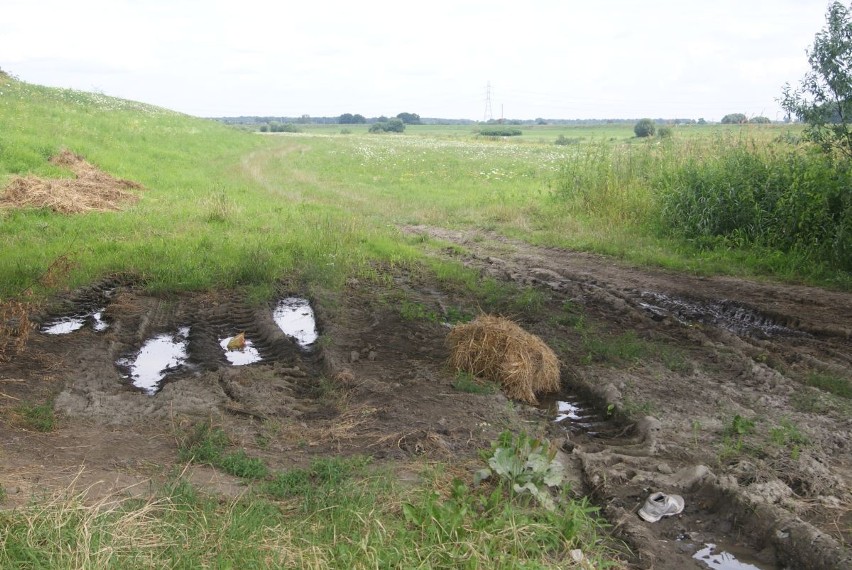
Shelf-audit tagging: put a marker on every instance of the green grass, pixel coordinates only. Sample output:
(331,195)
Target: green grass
(38,417)
(831,383)
(466,382)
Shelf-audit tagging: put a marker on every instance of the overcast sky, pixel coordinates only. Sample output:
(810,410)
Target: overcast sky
(553,59)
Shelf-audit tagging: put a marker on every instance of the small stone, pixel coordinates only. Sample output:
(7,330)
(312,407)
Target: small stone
(372,356)
(665,469)
(354,356)
(12,490)
(577,555)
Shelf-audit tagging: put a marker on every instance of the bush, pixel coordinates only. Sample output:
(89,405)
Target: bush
(644,128)
(389,126)
(500,131)
(665,132)
(782,199)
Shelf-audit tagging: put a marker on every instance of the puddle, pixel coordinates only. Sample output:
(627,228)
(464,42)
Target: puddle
(573,414)
(247,355)
(719,559)
(724,314)
(69,324)
(157,358)
(295,317)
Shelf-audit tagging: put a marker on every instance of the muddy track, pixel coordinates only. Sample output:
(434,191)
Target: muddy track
(748,350)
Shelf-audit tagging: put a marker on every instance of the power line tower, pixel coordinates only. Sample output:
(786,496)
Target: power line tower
(488,114)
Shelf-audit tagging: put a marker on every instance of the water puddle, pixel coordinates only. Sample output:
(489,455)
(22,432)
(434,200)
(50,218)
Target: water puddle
(157,358)
(71,323)
(725,314)
(573,414)
(719,559)
(295,317)
(240,357)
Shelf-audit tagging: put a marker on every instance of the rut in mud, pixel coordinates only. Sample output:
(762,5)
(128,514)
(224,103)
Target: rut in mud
(694,386)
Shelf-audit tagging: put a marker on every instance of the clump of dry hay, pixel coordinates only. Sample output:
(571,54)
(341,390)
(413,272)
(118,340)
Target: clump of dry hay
(91,190)
(499,350)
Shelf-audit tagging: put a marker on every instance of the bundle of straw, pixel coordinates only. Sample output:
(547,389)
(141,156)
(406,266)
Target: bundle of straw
(497,349)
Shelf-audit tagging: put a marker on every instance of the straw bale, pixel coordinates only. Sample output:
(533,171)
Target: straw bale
(90,190)
(497,349)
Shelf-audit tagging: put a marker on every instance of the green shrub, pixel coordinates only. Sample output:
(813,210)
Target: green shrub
(500,131)
(644,128)
(782,199)
(665,132)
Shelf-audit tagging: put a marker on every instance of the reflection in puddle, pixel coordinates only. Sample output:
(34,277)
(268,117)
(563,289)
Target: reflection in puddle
(295,317)
(723,560)
(65,325)
(157,357)
(572,413)
(240,357)
(567,411)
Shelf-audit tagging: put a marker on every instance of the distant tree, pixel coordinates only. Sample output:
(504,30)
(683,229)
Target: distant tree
(394,125)
(304,120)
(409,118)
(734,119)
(760,120)
(350,119)
(824,97)
(665,132)
(644,128)
(540,121)
(701,121)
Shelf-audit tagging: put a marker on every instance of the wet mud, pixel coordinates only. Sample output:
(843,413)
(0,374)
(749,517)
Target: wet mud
(711,350)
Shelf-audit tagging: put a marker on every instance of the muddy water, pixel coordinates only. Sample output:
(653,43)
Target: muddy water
(295,317)
(247,355)
(572,413)
(158,357)
(721,557)
(725,314)
(69,324)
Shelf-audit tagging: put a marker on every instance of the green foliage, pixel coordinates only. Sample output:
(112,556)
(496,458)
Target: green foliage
(783,199)
(823,99)
(665,132)
(500,131)
(734,119)
(562,140)
(739,426)
(831,383)
(323,478)
(644,128)
(409,118)
(206,444)
(39,417)
(760,120)
(468,383)
(526,465)
(350,119)
(626,347)
(390,126)
(417,311)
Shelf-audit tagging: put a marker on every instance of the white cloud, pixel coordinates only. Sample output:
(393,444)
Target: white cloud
(544,58)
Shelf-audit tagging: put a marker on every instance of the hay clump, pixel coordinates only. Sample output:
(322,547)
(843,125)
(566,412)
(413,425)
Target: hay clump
(497,349)
(90,190)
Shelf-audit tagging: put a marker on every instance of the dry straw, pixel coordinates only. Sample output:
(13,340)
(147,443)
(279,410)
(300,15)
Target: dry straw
(497,349)
(90,190)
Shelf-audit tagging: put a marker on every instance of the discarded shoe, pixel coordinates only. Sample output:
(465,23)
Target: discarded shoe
(659,505)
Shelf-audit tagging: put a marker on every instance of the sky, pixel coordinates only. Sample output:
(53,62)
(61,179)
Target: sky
(562,59)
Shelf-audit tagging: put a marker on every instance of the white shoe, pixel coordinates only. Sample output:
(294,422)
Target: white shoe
(660,505)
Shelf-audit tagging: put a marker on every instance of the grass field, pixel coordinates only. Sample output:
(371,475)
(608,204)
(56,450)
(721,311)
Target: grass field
(225,208)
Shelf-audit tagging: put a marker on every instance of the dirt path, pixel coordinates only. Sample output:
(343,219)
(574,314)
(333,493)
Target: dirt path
(695,386)
(762,458)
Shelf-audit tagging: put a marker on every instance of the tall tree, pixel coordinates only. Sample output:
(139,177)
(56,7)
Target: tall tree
(823,99)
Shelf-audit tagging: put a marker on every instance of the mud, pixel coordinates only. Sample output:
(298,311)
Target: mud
(710,350)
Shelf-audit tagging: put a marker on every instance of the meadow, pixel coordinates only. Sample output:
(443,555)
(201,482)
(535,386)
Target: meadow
(227,209)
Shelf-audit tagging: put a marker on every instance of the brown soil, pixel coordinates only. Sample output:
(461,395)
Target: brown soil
(90,190)
(710,350)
